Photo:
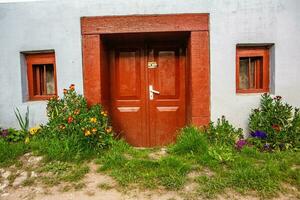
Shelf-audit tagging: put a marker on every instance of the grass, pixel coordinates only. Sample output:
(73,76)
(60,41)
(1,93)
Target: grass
(249,170)
(10,152)
(62,149)
(63,171)
(246,171)
(131,166)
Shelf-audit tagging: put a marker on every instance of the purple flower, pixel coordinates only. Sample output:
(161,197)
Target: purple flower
(4,133)
(259,134)
(240,144)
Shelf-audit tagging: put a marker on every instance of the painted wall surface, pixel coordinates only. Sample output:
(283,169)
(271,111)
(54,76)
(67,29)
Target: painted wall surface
(56,25)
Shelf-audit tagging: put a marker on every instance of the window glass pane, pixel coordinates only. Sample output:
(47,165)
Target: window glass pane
(50,85)
(43,79)
(252,74)
(38,72)
(244,73)
(256,64)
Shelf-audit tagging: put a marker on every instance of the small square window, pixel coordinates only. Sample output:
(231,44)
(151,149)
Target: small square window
(252,70)
(41,76)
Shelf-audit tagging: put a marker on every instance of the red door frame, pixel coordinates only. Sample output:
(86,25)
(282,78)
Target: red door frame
(93,52)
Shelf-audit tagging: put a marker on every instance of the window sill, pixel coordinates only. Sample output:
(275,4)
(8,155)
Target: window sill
(251,91)
(41,98)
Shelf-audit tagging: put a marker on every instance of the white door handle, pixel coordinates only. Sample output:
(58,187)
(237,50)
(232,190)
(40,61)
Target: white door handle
(152,92)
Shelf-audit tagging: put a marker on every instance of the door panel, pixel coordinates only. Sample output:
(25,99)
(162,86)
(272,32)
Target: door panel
(167,109)
(128,95)
(166,76)
(128,74)
(145,122)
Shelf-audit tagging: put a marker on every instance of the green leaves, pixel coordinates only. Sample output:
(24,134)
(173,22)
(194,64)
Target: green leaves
(223,133)
(279,120)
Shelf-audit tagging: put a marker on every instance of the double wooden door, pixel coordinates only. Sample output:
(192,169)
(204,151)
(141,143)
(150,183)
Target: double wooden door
(148,92)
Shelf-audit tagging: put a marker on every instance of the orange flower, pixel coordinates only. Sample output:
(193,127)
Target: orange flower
(70,119)
(76,112)
(65,91)
(87,133)
(276,127)
(94,130)
(108,129)
(72,87)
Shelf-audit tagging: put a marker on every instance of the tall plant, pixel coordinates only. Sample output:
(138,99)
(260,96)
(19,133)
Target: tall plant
(23,122)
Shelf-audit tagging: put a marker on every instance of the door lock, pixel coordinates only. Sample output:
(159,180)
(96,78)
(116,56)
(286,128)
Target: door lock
(152,92)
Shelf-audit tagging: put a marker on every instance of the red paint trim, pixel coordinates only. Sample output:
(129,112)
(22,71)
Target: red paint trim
(198,99)
(144,23)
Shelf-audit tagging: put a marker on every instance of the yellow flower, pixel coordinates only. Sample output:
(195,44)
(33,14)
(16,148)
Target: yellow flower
(93,119)
(94,130)
(104,113)
(34,130)
(87,133)
(27,140)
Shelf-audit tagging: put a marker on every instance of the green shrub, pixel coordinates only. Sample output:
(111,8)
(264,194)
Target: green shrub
(279,121)
(74,130)
(223,133)
(191,140)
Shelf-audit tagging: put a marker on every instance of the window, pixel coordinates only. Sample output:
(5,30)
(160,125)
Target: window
(252,69)
(41,76)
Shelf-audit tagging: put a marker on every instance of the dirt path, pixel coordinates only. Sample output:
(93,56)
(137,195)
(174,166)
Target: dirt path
(97,187)
(15,185)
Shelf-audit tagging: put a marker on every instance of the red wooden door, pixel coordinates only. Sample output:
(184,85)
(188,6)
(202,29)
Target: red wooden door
(143,117)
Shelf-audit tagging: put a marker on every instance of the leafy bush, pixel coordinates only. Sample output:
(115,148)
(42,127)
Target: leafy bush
(190,140)
(275,124)
(12,135)
(74,128)
(223,133)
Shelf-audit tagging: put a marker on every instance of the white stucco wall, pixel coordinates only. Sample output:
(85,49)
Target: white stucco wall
(56,25)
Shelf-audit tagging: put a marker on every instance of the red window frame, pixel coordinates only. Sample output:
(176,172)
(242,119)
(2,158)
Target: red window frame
(244,52)
(39,59)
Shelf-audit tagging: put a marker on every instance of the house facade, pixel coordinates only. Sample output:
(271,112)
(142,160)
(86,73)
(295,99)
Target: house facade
(155,65)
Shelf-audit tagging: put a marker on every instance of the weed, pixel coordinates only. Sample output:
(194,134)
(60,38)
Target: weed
(50,180)
(63,171)
(76,174)
(11,178)
(104,186)
(28,182)
(79,186)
